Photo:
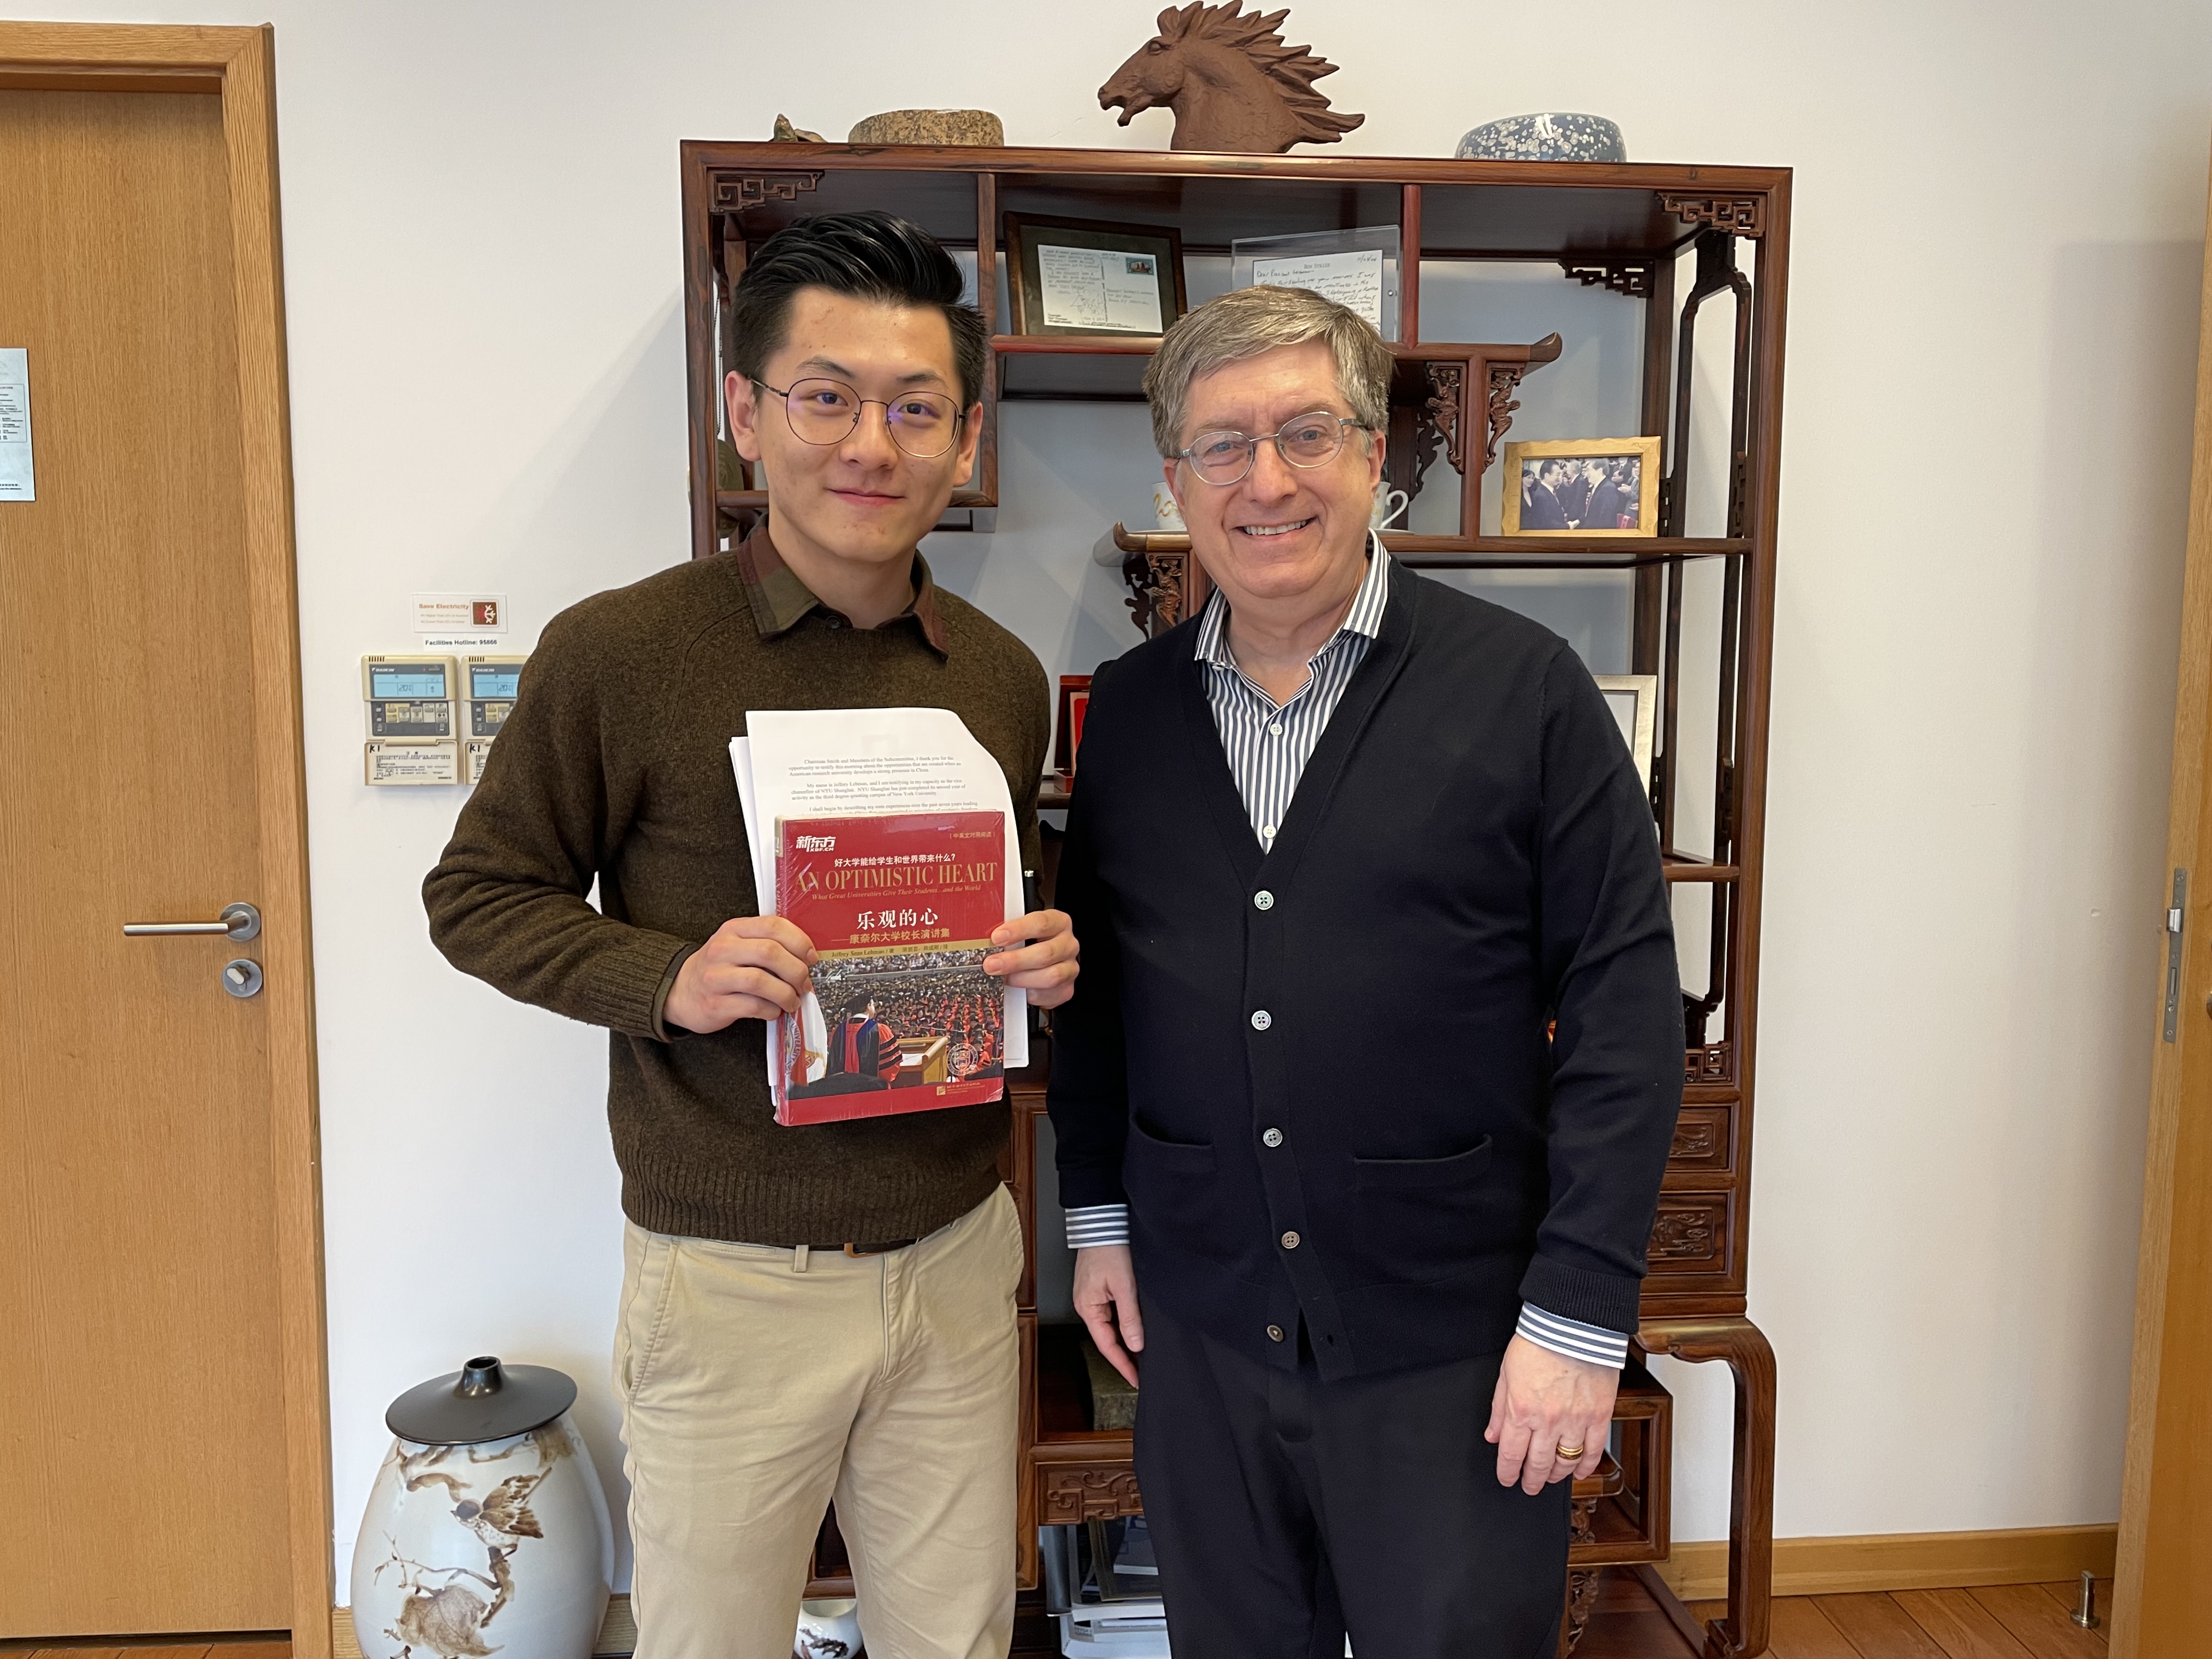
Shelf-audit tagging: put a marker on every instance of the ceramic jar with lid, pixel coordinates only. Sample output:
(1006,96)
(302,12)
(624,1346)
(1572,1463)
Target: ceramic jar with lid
(487,1530)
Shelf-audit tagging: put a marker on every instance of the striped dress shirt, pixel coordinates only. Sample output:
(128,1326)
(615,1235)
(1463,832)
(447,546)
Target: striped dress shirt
(1267,745)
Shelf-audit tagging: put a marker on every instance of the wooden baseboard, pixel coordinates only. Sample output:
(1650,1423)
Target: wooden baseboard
(1699,1572)
(1904,1561)
(617,1633)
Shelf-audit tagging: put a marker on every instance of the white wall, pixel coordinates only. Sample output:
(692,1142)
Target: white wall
(1998,232)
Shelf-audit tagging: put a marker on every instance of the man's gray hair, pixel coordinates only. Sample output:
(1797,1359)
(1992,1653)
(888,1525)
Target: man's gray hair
(1252,321)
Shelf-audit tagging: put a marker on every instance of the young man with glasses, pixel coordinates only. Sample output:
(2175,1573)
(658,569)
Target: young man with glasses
(1363,1107)
(805,1312)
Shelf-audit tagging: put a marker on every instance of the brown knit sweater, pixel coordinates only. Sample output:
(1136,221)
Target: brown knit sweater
(614,766)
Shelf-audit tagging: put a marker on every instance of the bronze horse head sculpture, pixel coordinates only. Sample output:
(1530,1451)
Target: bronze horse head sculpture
(1231,81)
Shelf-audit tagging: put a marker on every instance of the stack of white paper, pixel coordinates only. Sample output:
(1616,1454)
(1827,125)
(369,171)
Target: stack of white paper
(832,762)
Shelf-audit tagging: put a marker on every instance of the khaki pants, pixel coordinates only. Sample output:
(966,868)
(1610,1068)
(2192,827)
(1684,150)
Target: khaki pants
(756,1384)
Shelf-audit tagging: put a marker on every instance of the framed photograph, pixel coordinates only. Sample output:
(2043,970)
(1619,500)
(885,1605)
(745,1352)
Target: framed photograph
(1634,700)
(1075,703)
(1581,487)
(1357,269)
(1081,277)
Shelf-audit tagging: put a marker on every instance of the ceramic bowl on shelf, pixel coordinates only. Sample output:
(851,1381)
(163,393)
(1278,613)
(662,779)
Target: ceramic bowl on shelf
(1553,137)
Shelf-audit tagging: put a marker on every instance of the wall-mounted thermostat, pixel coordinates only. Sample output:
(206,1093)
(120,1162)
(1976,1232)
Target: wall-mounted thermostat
(409,762)
(421,718)
(406,677)
(489,686)
(409,697)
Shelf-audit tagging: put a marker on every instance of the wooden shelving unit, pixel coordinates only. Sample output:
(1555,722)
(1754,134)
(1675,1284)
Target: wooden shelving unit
(1640,232)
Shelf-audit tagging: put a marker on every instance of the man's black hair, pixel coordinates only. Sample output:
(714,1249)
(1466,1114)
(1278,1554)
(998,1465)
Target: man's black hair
(868,256)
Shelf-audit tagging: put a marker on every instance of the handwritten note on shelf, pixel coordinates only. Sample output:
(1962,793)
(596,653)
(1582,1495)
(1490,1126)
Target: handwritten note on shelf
(1353,279)
(1099,289)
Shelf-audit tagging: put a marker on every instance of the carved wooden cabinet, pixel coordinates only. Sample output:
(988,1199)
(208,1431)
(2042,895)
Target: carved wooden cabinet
(1667,241)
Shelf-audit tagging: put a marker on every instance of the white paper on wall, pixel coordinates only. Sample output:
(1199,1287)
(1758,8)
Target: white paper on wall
(18,482)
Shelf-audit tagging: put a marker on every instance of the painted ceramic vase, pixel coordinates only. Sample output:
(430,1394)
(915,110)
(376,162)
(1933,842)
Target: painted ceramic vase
(486,1533)
(828,1630)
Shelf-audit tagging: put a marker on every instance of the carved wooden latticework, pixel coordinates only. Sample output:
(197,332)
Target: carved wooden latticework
(1583,1582)
(1742,215)
(1631,278)
(1414,450)
(1156,589)
(741,191)
(1710,1064)
(1067,1496)
(1447,391)
(1504,378)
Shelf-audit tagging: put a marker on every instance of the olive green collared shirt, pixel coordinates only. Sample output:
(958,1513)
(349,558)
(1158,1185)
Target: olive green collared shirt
(780,598)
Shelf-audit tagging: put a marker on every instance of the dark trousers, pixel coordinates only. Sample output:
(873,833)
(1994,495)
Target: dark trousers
(1285,1511)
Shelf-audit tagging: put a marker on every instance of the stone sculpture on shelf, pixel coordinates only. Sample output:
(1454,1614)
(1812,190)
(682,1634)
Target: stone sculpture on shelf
(1231,81)
(786,133)
(930,126)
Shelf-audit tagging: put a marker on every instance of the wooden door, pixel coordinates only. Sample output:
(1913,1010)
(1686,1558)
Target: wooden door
(2165,1523)
(147,1375)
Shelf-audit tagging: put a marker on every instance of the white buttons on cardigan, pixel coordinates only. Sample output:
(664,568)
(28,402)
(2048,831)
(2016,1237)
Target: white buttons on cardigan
(1272,1138)
(1263,900)
(1274,1332)
(1261,1019)
(1289,1241)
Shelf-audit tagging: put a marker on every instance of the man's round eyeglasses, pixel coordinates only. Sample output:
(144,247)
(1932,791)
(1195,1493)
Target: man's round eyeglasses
(923,424)
(1304,440)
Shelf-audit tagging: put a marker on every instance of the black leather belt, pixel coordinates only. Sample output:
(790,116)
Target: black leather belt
(867,1250)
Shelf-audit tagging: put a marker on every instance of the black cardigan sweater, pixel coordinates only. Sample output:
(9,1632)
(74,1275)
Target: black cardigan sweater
(1468,858)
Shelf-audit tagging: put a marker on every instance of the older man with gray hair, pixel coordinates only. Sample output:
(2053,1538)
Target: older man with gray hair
(1364,1100)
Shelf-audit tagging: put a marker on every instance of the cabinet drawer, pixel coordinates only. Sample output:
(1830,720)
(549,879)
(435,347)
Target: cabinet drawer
(1703,1142)
(1089,1491)
(1693,1233)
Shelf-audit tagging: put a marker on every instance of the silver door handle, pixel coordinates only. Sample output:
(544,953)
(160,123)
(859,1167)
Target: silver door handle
(239,921)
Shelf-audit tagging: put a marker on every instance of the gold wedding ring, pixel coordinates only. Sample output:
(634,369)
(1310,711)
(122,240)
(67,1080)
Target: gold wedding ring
(1570,1452)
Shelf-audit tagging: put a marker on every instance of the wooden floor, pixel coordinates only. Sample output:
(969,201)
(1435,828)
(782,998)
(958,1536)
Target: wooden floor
(2012,1621)
(154,1646)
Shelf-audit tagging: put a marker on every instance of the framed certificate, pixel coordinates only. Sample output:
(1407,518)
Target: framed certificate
(1083,276)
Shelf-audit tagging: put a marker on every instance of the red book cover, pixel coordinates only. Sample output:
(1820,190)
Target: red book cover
(1074,704)
(903,1018)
